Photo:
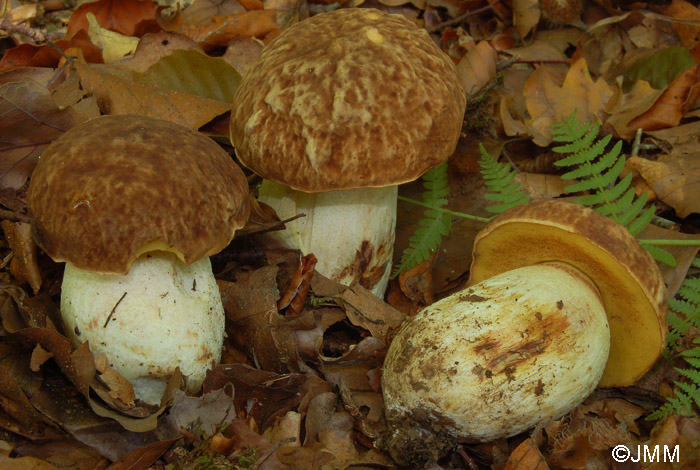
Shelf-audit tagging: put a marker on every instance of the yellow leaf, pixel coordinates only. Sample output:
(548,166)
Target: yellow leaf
(548,102)
(114,46)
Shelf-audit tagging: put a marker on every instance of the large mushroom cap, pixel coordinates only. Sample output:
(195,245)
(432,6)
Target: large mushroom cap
(116,187)
(348,99)
(629,281)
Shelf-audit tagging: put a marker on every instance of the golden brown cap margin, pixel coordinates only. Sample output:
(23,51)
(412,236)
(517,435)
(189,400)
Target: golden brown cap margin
(115,187)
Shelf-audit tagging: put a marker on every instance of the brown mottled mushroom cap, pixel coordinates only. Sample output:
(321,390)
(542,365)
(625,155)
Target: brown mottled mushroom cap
(348,99)
(628,278)
(116,187)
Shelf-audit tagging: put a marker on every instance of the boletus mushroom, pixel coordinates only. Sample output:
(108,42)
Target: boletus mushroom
(560,300)
(335,113)
(135,206)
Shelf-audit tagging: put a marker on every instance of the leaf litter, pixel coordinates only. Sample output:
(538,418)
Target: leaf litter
(300,383)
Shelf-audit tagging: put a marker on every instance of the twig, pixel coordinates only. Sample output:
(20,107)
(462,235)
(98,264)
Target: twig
(460,18)
(114,309)
(35,34)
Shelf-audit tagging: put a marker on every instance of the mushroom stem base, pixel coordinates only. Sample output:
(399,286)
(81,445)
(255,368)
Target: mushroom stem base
(162,315)
(351,232)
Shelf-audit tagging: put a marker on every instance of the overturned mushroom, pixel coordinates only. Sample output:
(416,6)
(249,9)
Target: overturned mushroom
(561,300)
(334,114)
(135,206)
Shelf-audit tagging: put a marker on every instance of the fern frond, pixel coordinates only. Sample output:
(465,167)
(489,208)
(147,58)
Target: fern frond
(435,225)
(599,172)
(499,182)
(684,314)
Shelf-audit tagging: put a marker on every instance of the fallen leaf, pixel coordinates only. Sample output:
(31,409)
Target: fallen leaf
(526,15)
(526,457)
(549,103)
(28,55)
(263,395)
(477,67)
(143,457)
(153,47)
(221,30)
(117,95)
(541,185)
(688,32)
(362,308)
(114,46)
(19,237)
(676,180)
(294,297)
(29,121)
(674,102)
(127,17)
(195,73)
(625,107)
(39,356)
(119,388)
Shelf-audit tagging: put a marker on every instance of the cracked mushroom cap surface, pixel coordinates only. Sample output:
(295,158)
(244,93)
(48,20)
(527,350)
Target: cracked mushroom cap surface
(628,278)
(116,187)
(348,99)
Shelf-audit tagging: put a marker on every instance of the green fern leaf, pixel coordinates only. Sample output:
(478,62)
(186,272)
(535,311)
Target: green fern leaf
(500,186)
(599,172)
(435,225)
(684,314)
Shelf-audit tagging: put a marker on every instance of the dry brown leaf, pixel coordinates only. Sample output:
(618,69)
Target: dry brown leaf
(262,395)
(355,376)
(526,457)
(362,308)
(624,108)
(143,457)
(39,356)
(221,30)
(63,453)
(417,282)
(28,55)
(127,17)
(526,15)
(30,121)
(285,430)
(548,102)
(119,388)
(688,33)
(674,102)
(541,185)
(294,297)
(19,237)
(477,67)
(117,95)
(242,52)
(676,180)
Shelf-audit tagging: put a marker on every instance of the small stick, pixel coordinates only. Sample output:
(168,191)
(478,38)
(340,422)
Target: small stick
(114,309)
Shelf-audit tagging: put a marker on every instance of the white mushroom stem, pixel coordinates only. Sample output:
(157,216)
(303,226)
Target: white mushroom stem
(494,359)
(162,315)
(351,232)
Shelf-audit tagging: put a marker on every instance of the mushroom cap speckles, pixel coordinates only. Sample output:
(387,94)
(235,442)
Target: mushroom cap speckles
(115,187)
(628,278)
(348,99)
